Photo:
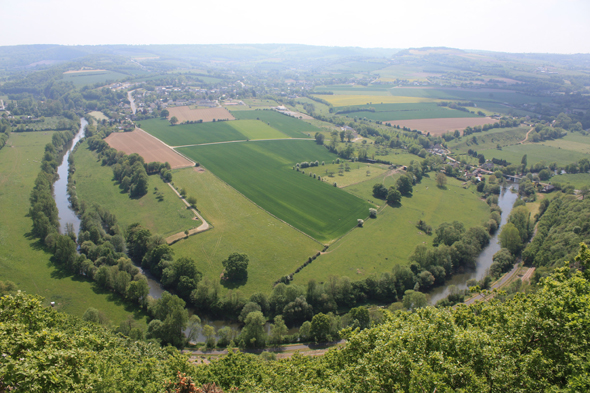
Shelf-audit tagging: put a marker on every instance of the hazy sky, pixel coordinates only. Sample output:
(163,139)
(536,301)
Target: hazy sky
(547,26)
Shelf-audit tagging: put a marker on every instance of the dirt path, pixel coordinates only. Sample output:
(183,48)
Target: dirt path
(181,235)
(527,136)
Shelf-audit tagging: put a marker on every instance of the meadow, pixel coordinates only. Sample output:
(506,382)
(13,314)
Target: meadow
(387,112)
(578,180)
(359,171)
(347,100)
(274,248)
(489,139)
(536,152)
(572,141)
(262,171)
(288,125)
(256,129)
(391,238)
(23,259)
(92,77)
(191,134)
(95,184)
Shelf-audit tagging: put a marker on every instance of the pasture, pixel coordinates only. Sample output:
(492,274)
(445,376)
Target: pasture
(441,126)
(572,141)
(489,139)
(185,113)
(391,238)
(23,259)
(347,100)
(191,134)
(391,112)
(255,129)
(536,152)
(150,148)
(92,76)
(358,172)
(288,125)
(95,184)
(273,247)
(262,171)
(578,180)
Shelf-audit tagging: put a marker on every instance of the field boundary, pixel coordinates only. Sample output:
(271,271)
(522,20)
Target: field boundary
(169,147)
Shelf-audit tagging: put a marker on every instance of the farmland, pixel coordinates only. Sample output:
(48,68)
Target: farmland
(147,146)
(389,112)
(441,126)
(191,134)
(288,125)
(273,247)
(489,139)
(91,77)
(572,141)
(346,100)
(24,260)
(255,129)
(392,237)
(578,180)
(185,113)
(536,152)
(262,171)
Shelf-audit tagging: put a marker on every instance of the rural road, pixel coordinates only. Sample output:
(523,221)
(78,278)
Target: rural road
(181,235)
(131,101)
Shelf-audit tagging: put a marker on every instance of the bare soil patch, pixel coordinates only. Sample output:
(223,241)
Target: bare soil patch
(440,126)
(150,148)
(185,113)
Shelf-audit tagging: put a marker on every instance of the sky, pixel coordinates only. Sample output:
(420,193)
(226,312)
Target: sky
(539,26)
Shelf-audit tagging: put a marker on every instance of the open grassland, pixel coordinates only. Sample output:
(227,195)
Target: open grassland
(255,129)
(572,141)
(23,259)
(441,126)
(392,237)
(262,171)
(191,134)
(91,77)
(254,103)
(150,148)
(94,183)
(346,100)
(389,112)
(288,125)
(578,180)
(98,115)
(273,247)
(536,152)
(185,113)
(488,139)
(358,172)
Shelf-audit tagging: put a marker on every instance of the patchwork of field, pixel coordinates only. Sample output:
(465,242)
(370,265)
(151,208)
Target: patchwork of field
(536,152)
(24,260)
(147,146)
(255,129)
(274,248)
(288,125)
(191,134)
(392,237)
(441,126)
(160,210)
(263,172)
(392,112)
(185,113)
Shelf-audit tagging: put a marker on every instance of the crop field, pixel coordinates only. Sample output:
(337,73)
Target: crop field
(94,183)
(288,125)
(392,237)
(441,126)
(148,147)
(273,247)
(91,77)
(255,129)
(23,260)
(347,100)
(389,112)
(262,171)
(489,139)
(185,113)
(191,134)
(536,152)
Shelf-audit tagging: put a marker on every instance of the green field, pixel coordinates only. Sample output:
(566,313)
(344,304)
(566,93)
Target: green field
(578,180)
(255,129)
(262,171)
(572,141)
(94,183)
(90,78)
(536,152)
(288,125)
(488,139)
(427,110)
(273,247)
(191,134)
(23,259)
(392,237)
(356,174)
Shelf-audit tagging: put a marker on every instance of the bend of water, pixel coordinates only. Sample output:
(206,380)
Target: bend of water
(484,260)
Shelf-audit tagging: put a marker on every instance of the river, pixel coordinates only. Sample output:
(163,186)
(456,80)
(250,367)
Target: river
(484,260)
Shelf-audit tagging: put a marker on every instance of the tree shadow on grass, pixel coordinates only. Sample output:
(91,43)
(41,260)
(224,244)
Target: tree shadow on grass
(233,284)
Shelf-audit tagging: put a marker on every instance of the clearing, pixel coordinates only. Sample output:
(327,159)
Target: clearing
(151,149)
(98,115)
(441,126)
(263,172)
(185,113)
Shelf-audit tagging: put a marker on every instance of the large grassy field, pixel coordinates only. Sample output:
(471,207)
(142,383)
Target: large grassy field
(427,110)
(191,134)
(578,180)
(255,129)
(94,183)
(572,141)
(489,139)
(263,172)
(90,78)
(346,100)
(358,172)
(273,247)
(22,259)
(288,125)
(536,152)
(392,237)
